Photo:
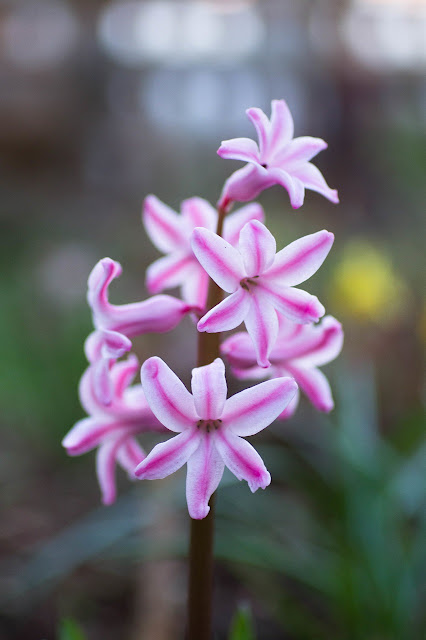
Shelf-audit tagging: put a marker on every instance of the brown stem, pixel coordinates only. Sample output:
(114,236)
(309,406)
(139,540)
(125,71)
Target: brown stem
(201,544)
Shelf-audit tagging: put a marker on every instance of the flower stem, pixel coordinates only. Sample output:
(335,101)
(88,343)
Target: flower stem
(201,543)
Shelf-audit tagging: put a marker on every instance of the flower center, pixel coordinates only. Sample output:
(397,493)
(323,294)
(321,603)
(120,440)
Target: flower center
(246,283)
(209,425)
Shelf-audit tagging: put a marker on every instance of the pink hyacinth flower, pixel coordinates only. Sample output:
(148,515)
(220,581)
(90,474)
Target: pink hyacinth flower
(210,427)
(102,349)
(298,352)
(261,282)
(277,159)
(112,428)
(171,232)
(155,315)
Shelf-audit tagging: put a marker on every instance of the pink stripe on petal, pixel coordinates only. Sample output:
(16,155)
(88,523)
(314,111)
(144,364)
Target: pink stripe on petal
(167,457)
(253,409)
(290,409)
(262,325)
(327,347)
(246,184)
(313,179)
(209,389)
(105,468)
(169,272)
(239,149)
(222,262)
(129,455)
(123,373)
(315,385)
(157,314)
(163,225)
(99,280)
(301,259)
(228,314)
(240,350)
(297,305)
(197,212)
(257,246)
(299,150)
(262,126)
(167,397)
(205,470)
(282,126)
(242,459)
(235,221)
(88,433)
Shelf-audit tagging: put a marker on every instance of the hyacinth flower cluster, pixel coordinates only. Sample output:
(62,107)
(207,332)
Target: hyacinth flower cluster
(205,250)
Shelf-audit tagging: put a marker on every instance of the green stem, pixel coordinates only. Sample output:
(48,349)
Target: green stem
(202,531)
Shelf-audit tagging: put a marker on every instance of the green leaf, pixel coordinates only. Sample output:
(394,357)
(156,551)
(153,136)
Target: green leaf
(242,627)
(70,630)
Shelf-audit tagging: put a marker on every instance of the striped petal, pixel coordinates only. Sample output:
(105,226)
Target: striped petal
(253,409)
(197,212)
(167,457)
(105,468)
(163,225)
(205,470)
(257,246)
(301,259)
(299,150)
(262,325)
(282,126)
(209,389)
(246,184)
(313,179)
(168,272)
(242,459)
(291,183)
(239,149)
(129,455)
(222,262)
(228,314)
(297,305)
(315,385)
(167,396)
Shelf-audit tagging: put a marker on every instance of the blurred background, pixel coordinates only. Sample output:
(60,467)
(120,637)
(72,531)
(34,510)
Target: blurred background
(105,101)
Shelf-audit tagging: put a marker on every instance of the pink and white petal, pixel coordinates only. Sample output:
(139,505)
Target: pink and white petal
(327,347)
(195,287)
(313,179)
(282,125)
(209,389)
(297,305)
(246,184)
(163,225)
(253,409)
(299,150)
(85,435)
(242,459)
(101,382)
(129,455)
(228,314)
(222,262)
(292,184)
(257,246)
(262,325)
(299,260)
(167,457)
(239,149)
(205,470)
(167,396)
(315,385)
(114,344)
(263,127)
(123,373)
(169,271)
(157,314)
(105,468)
(89,399)
(235,221)
(99,280)
(197,212)
(253,373)
(290,409)
(240,350)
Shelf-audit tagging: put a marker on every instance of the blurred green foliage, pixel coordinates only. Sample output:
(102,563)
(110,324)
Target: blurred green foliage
(242,627)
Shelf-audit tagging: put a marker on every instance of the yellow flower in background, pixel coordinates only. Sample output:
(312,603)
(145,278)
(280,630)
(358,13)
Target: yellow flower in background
(365,284)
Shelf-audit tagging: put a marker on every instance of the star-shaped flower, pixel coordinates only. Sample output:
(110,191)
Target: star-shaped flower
(171,233)
(210,428)
(298,352)
(112,428)
(261,282)
(278,158)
